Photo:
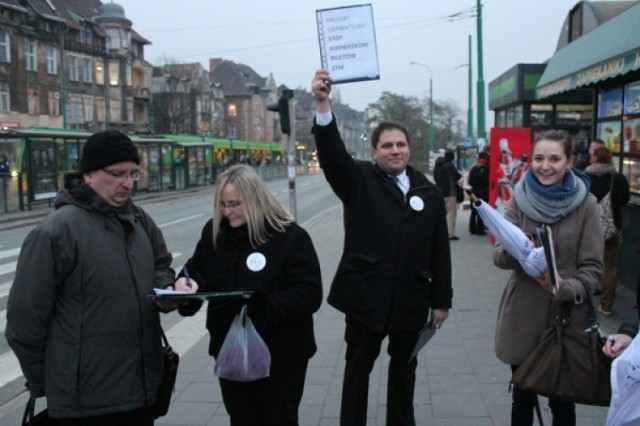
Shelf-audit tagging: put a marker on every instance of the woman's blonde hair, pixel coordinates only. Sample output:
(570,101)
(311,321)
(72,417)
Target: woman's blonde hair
(261,208)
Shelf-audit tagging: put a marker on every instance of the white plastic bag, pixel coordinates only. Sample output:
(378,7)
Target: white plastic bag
(243,357)
(625,387)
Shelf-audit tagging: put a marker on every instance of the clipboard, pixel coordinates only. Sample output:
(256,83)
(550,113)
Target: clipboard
(546,237)
(205,295)
(424,336)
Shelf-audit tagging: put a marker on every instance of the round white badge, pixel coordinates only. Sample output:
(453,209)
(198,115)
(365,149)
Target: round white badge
(416,203)
(256,262)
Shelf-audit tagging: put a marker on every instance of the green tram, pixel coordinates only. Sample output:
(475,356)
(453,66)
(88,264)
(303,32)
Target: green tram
(38,159)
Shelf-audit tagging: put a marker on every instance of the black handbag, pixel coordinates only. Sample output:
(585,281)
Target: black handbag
(568,364)
(31,419)
(166,388)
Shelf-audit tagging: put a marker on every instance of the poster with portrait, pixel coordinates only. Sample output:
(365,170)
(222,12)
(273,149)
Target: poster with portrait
(630,135)
(43,170)
(509,161)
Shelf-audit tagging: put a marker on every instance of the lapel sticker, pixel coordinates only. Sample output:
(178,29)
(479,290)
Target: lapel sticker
(416,203)
(256,262)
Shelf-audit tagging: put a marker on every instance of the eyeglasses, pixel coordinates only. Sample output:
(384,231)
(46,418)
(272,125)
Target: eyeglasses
(231,205)
(122,175)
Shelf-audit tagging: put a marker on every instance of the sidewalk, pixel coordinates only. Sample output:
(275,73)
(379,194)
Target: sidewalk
(459,380)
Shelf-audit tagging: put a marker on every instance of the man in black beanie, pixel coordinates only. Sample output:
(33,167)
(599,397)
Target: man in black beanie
(78,316)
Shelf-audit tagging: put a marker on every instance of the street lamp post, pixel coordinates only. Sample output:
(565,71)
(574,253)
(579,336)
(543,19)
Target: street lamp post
(431,128)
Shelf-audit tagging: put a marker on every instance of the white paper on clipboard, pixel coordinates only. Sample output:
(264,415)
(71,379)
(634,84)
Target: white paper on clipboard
(348,43)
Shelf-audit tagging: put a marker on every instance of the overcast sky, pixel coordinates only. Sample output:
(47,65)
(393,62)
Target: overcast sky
(280,37)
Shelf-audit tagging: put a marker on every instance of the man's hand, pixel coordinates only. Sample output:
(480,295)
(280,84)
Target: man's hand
(616,344)
(181,284)
(321,88)
(438,316)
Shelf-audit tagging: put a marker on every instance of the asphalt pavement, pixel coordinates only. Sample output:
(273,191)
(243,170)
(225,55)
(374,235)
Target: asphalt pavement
(459,379)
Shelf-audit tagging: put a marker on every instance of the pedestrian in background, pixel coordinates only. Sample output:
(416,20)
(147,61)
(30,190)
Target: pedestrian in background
(606,182)
(552,193)
(394,276)
(78,316)
(252,242)
(479,182)
(447,177)
(585,160)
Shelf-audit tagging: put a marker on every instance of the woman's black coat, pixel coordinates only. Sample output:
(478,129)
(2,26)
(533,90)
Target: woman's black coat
(289,289)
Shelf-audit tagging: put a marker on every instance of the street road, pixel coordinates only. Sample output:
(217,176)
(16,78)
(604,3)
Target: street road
(181,220)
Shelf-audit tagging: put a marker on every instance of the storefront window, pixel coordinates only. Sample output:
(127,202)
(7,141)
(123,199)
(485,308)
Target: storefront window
(501,120)
(632,98)
(609,132)
(541,114)
(573,115)
(630,135)
(517,116)
(510,117)
(631,170)
(610,103)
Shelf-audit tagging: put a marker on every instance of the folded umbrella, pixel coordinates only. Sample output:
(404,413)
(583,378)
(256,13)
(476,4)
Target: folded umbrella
(511,238)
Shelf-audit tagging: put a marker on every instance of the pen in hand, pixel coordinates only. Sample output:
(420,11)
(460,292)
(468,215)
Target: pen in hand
(185,272)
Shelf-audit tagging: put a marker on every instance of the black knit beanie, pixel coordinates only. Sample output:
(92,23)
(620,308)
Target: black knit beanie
(105,148)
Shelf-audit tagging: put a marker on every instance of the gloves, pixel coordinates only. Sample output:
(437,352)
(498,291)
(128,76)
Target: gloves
(535,263)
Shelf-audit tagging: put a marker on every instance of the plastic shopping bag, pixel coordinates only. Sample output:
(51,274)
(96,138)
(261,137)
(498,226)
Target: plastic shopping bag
(243,357)
(625,387)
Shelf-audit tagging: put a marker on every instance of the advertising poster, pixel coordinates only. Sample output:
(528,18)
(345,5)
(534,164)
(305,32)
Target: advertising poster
(348,43)
(44,174)
(509,152)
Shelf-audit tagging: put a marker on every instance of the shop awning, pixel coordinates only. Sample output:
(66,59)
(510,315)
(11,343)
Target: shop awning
(610,50)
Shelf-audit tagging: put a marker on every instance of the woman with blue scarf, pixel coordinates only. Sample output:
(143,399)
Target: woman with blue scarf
(552,193)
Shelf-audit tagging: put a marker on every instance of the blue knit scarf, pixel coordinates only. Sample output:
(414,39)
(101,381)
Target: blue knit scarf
(549,204)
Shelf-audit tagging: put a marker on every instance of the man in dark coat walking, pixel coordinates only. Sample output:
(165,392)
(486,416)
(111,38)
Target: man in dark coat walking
(446,176)
(394,276)
(479,182)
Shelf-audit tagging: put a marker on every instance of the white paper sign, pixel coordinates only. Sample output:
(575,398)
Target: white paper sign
(348,43)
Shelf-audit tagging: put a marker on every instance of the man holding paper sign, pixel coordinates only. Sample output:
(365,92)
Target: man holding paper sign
(395,273)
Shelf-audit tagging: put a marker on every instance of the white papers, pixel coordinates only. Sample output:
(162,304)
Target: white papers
(162,292)
(348,43)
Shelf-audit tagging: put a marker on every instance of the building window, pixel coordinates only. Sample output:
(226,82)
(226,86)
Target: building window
(86,36)
(100,109)
(33,102)
(31,55)
(53,99)
(5,104)
(72,63)
(99,64)
(5,52)
(114,73)
(113,38)
(88,104)
(87,70)
(52,60)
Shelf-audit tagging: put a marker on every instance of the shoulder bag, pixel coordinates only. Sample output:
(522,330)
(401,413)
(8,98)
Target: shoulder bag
(568,364)
(31,419)
(166,388)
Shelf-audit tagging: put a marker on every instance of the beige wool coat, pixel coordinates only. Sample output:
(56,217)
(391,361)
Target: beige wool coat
(526,309)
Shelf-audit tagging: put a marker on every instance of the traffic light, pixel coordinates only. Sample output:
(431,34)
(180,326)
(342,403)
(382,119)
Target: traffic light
(282,108)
